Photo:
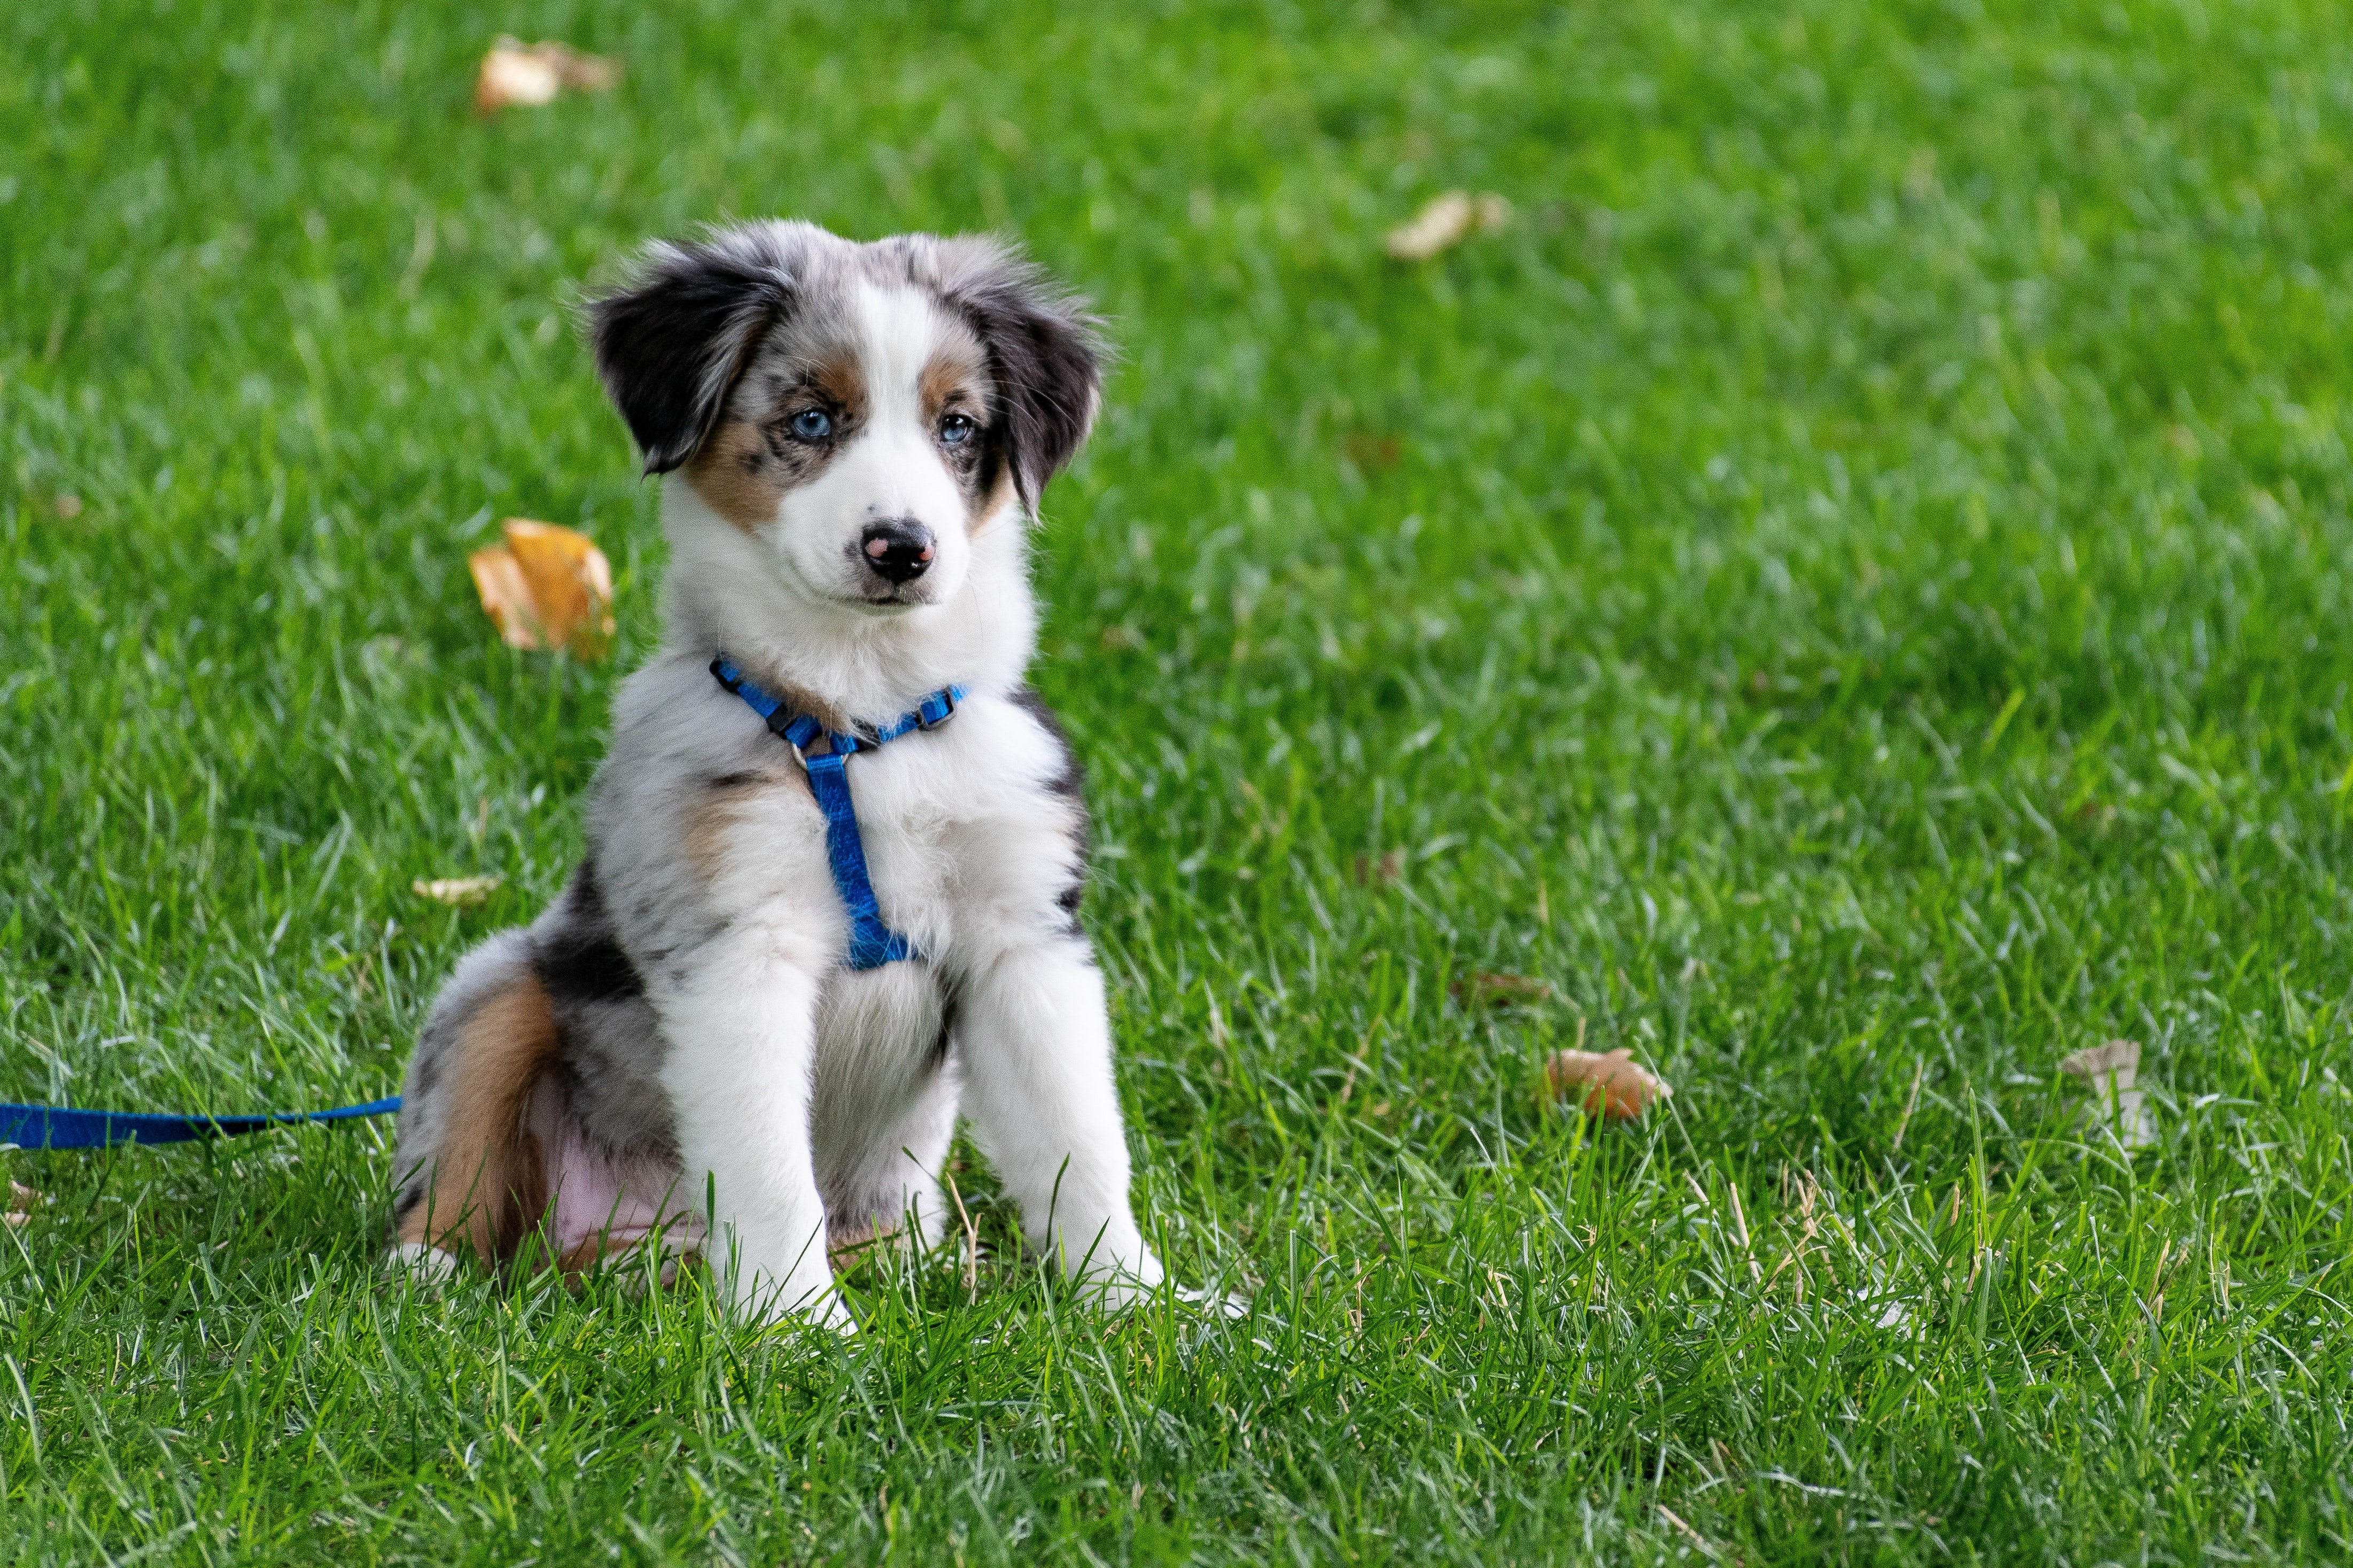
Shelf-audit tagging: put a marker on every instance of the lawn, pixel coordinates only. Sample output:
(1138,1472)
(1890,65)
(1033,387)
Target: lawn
(1847,589)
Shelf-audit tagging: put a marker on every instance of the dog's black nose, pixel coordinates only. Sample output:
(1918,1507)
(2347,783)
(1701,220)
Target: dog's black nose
(899,550)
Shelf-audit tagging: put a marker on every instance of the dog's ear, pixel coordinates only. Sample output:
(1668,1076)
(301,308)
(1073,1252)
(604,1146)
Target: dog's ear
(670,344)
(1045,352)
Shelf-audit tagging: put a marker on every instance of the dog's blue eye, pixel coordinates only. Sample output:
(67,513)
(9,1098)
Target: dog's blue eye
(811,425)
(956,429)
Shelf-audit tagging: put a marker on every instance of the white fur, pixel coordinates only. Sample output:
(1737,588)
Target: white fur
(891,469)
(968,844)
(426,1264)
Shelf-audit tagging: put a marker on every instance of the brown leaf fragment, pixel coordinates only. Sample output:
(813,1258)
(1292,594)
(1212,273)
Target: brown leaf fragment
(505,595)
(2108,1070)
(1481,988)
(1445,221)
(1368,872)
(551,587)
(515,75)
(2119,1059)
(23,1197)
(582,73)
(14,1220)
(69,505)
(1611,1085)
(459,892)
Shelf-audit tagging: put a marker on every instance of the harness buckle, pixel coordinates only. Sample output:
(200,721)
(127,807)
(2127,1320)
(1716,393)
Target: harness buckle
(924,720)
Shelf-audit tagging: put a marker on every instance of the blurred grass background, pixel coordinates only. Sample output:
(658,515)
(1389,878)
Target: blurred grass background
(1847,589)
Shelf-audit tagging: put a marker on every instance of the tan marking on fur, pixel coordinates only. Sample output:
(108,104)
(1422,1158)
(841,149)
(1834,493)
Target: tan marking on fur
(841,379)
(953,367)
(734,474)
(1001,497)
(709,823)
(489,1183)
(956,377)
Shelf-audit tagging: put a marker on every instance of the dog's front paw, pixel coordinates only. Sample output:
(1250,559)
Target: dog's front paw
(1215,1303)
(421,1263)
(1116,1294)
(816,1304)
(826,1311)
(1117,1284)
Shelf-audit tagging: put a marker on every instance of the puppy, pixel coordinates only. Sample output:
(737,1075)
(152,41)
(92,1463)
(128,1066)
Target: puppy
(706,1028)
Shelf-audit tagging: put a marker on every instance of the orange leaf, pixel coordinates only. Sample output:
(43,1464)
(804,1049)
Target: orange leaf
(551,587)
(1610,1085)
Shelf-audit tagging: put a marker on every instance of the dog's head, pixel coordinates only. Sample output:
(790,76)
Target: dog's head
(861,411)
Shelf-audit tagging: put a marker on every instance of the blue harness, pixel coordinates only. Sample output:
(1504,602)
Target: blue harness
(872,944)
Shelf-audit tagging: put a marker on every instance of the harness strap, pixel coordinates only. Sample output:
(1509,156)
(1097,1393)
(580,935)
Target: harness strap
(56,1127)
(873,944)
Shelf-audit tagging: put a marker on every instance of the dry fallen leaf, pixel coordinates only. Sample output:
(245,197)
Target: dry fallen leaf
(1480,989)
(461,893)
(2120,1059)
(582,73)
(512,75)
(551,587)
(517,75)
(1613,1085)
(13,1219)
(1445,221)
(2108,1071)
(69,505)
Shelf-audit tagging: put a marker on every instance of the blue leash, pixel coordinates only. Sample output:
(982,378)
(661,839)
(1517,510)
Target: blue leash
(56,1127)
(872,943)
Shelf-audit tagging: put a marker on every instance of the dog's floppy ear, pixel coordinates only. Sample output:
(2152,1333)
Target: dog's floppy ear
(1044,353)
(670,344)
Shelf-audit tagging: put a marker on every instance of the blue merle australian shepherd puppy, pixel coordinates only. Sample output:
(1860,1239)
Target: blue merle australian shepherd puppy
(835,851)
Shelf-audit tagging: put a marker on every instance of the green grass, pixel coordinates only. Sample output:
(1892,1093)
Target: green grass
(1850,588)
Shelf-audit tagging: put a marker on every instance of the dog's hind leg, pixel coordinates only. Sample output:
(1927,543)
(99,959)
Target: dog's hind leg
(885,1105)
(470,1168)
(894,1182)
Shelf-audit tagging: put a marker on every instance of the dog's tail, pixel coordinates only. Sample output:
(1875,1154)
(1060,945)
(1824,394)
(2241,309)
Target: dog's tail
(469,1169)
